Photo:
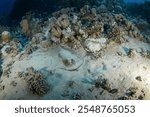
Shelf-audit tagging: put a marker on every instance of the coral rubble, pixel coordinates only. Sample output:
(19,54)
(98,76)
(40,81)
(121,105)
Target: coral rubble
(36,82)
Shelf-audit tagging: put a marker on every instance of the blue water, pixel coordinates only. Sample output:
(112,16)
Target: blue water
(7,8)
(6,5)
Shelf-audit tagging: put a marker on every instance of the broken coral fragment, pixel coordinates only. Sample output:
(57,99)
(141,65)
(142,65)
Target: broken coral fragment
(25,26)
(36,82)
(6,36)
(94,45)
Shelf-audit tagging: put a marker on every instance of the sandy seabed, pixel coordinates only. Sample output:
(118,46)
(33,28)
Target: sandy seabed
(96,69)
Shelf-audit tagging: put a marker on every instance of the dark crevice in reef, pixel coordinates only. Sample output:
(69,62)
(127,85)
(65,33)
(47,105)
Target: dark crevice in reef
(1,70)
(1,61)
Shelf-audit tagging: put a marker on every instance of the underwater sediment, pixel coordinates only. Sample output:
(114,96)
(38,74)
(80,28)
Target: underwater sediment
(93,52)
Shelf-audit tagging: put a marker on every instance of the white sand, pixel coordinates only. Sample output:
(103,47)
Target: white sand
(120,71)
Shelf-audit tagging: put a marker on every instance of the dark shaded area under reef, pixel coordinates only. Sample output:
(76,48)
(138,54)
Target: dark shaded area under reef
(21,7)
(44,8)
(140,10)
